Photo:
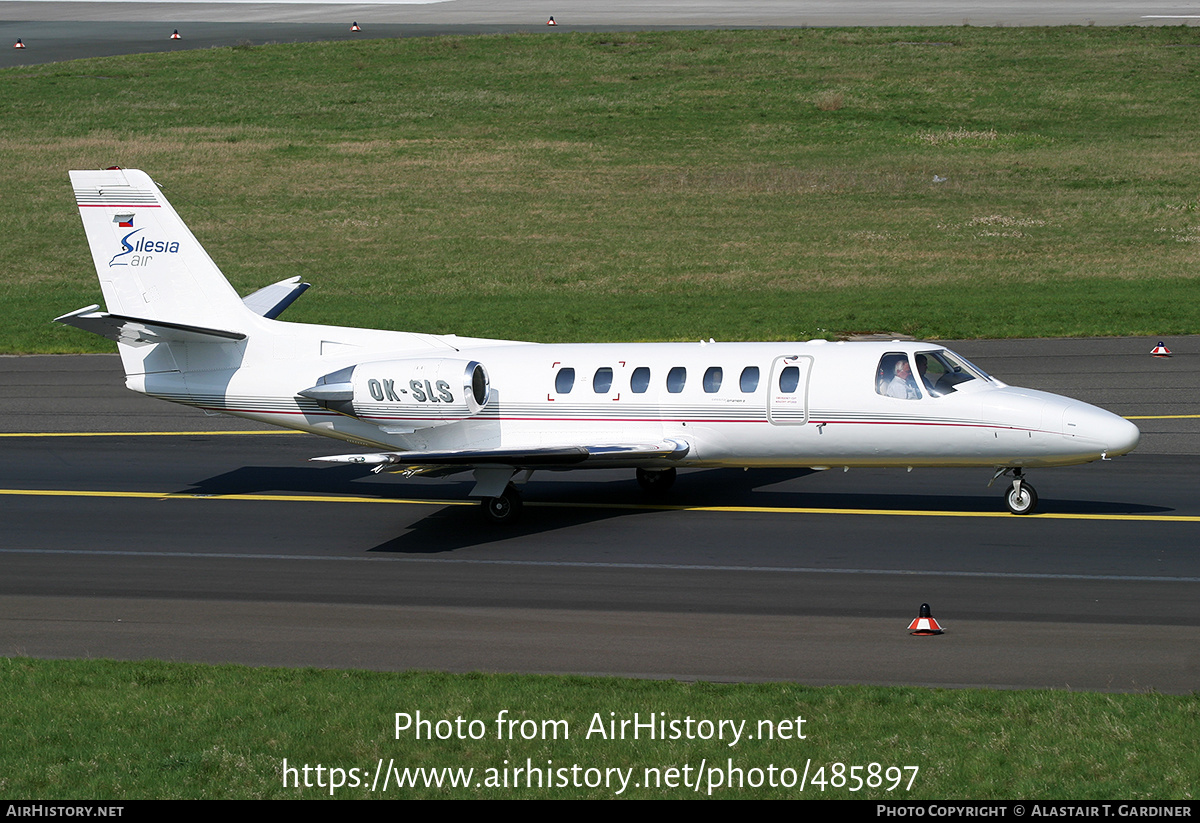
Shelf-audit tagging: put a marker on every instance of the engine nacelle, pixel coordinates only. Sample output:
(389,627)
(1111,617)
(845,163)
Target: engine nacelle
(412,394)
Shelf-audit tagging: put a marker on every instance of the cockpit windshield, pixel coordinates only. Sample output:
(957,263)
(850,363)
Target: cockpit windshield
(944,371)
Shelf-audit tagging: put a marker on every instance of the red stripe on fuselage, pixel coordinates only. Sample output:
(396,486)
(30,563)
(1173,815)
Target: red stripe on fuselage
(642,420)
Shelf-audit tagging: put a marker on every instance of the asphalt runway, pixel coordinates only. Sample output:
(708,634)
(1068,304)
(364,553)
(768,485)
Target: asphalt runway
(177,541)
(232,548)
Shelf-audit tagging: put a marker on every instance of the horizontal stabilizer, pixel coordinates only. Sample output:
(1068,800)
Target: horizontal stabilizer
(138,332)
(540,458)
(270,301)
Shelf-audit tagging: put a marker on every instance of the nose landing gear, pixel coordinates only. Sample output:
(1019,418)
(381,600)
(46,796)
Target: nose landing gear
(1021,497)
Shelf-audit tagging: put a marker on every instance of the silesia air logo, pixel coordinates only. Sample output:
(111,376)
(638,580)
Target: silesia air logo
(139,252)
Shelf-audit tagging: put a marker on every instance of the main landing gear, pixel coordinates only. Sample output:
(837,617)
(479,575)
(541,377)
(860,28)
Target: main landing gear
(656,481)
(1021,497)
(504,509)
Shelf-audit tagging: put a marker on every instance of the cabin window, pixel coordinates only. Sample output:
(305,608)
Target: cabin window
(564,381)
(639,381)
(712,379)
(789,379)
(602,381)
(676,377)
(894,377)
(749,380)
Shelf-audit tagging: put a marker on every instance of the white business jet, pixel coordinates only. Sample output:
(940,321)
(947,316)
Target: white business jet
(438,404)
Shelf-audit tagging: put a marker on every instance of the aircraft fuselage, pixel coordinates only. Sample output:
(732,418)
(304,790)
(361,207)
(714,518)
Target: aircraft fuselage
(735,404)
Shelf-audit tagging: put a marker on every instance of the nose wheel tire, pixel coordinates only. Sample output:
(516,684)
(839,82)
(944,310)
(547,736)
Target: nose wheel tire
(504,509)
(1021,498)
(655,482)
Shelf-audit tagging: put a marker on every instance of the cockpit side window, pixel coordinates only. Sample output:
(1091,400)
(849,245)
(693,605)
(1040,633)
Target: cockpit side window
(931,370)
(894,377)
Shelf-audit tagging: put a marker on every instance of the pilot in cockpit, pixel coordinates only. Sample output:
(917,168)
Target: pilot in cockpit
(902,384)
(922,374)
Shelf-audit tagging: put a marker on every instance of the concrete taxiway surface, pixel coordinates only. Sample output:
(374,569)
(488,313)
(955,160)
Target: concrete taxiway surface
(632,13)
(54,31)
(230,547)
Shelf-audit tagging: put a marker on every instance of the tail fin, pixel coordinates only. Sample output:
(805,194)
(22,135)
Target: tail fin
(149,264)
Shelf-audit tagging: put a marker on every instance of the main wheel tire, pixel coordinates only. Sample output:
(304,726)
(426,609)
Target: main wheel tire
(656,481)
(504,509)
(1022,502)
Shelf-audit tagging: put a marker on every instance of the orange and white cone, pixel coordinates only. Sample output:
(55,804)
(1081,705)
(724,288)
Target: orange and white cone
(355,27)
(551,22)
(18,44)
(175,35)
(1160,350)
(924,624)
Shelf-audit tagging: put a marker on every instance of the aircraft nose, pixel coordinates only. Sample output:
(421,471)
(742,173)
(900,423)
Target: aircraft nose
(1116,435)
(1125,436)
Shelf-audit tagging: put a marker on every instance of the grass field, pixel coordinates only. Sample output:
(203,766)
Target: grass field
(651,186)
(106,730)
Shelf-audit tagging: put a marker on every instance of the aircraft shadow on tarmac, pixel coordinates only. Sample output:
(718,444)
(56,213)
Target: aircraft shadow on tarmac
(591,497)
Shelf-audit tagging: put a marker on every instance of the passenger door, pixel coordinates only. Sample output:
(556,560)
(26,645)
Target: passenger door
(787,393)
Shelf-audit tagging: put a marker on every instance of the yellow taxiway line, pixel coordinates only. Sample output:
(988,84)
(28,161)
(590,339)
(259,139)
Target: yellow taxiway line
(1161,416)
(308,498)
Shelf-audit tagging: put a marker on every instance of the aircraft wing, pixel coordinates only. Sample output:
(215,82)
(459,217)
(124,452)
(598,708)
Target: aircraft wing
(138,332)
(419,462)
